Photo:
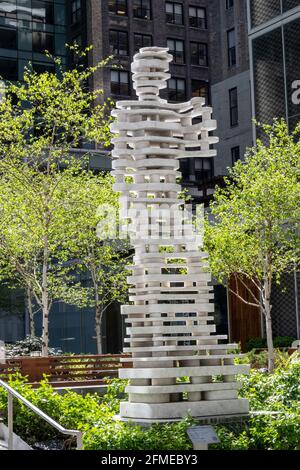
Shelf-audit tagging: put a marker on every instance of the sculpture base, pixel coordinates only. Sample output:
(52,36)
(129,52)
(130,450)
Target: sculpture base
(177,411)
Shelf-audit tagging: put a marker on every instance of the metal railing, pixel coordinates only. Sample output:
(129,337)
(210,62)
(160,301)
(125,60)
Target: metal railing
(11,394)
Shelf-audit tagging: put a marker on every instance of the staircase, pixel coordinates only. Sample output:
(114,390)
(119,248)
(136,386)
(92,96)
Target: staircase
(10,440)
(19,444)
(3,442)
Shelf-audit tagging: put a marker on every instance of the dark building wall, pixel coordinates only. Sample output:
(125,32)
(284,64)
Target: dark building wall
(284,308)
(72,329)
(12,317)
(101,21)
(269,79)
(223,20)
(275,47)
(262,11)
(234,139)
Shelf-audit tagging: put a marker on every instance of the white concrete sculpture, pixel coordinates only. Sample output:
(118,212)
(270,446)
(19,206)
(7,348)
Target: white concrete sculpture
(171,333)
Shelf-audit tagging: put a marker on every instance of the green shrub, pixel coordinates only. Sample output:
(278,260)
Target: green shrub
(25,346)
(261,343)
(256,360)
(283,341)
(278,392)
(127,436)
(256,343)
(279,432)
(94,415)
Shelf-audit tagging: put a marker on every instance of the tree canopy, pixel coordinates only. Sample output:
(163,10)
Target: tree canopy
(254,222)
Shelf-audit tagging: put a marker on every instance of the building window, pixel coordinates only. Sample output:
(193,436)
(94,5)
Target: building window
(119,7)
(185,168)
(142,9)
(40,67)
(119,82)
(174,13)
(8,38)
(197,17)
(142,40)
(42,12)
(199,54)
(75,11)
(8,68)
(235,154)
(204,171)
(231,45)
(233,106)
(229,4)
(200,89)
(176,89)
(176,48)
(118,41)
(42,42)
(8,9)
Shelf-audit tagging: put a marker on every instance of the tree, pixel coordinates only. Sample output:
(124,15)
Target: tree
(41,121)
(253,233)
(106,265)
(99,253)
(39,221)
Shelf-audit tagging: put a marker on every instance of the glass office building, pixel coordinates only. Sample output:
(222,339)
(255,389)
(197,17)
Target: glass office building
(274,32)
(274,44)
(27,29)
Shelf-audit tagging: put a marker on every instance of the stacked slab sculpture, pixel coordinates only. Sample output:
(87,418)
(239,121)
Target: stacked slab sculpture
(179,365)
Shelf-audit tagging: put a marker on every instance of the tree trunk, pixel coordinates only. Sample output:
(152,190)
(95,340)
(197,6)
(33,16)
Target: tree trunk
(99,328)
(30,312)
(45,331)
(45,301)
(98,311)
(270,342)
(269,332)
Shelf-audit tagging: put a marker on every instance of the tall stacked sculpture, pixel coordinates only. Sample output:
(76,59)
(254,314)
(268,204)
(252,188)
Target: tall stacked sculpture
(171,332)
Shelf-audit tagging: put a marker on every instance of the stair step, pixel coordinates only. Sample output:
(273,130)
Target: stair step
(3,445)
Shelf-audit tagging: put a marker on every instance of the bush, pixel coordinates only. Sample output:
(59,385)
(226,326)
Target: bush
(25,346)
(126,436)
(283,341)
(261,343)
(93,415)
(278,392)
(256,360)
(256,343)
(280,432)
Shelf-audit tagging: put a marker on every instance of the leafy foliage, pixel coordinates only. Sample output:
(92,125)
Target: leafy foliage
(277,393)
(253,232)
(278,342)
(256,343)
(25,346)
(93,415)
(257,213)
(49,198)
(283,341)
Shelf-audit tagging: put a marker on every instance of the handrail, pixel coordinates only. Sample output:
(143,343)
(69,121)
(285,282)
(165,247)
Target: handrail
(13,393)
